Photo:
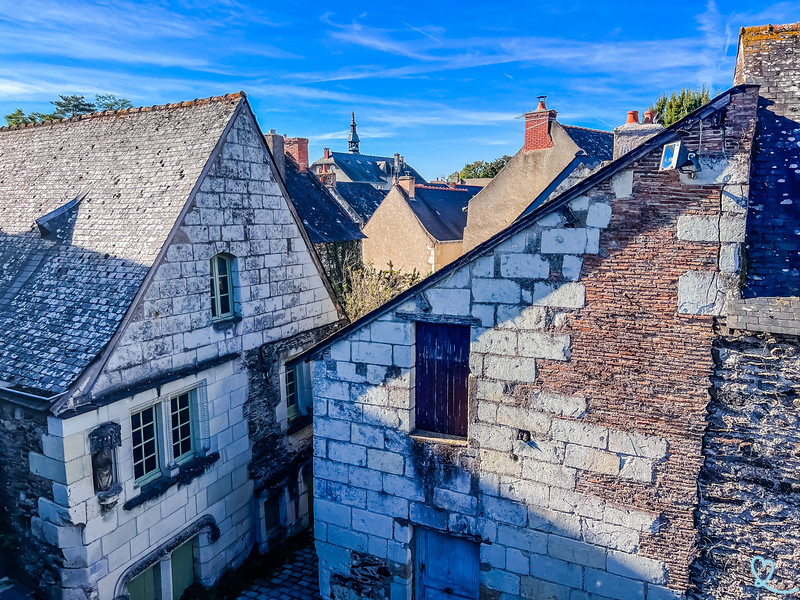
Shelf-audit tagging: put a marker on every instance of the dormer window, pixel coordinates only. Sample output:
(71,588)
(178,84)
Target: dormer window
(222,286)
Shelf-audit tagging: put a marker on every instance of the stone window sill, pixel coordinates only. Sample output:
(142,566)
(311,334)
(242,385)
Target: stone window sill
(431,437)
(188,471)
(225,322)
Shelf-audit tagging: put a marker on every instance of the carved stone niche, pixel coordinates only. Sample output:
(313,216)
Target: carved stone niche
(102,442)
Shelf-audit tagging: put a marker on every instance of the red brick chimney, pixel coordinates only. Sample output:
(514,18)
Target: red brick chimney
(298,149)
(537,127)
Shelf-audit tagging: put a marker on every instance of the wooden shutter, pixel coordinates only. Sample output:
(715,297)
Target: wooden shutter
(442,372)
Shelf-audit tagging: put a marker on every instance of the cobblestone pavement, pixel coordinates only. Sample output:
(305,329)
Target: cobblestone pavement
(295,579)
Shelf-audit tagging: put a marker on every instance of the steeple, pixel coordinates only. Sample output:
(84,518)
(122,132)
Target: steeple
(353,139)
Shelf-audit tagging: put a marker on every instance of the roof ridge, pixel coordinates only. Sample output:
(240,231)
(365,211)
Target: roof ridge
(440,187)
(126,111)
(587,129)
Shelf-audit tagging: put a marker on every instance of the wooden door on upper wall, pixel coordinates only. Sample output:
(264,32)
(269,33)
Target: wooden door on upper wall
(447,567)
(442,372)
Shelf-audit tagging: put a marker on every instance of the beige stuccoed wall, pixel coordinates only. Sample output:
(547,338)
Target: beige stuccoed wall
(447,252)
(395,234)
(516,186)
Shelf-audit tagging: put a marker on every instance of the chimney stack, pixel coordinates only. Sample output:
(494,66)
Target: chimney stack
(537,127)
(633,134)
(275,143)
(407,183)
(298,148)
(328,179)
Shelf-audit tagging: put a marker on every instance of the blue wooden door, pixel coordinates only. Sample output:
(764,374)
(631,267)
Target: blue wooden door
(441,381)
(447,567)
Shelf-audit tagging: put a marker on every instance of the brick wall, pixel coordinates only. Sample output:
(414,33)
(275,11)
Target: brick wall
(537,129)
(588,337)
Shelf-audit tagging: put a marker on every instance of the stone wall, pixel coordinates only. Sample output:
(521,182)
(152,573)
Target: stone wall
(589,373)
(749,486)
(23,557)
(172,344)
(240,210)
(282,450)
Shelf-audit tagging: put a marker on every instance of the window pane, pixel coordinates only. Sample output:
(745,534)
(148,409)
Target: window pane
(213,297)
(272,513)
(291,393)
(143,434)
(222,266)
(224,305)
(181,423)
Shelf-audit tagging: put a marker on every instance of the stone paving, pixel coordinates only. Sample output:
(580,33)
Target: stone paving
(295,579)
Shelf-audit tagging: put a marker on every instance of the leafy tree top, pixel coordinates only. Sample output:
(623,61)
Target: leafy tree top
(480,168)
(674,107)
(69,106)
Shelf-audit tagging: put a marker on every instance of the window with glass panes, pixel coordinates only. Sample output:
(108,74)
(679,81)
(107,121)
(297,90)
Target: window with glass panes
(145,444)
(221,286)
(180,415)
(291,393)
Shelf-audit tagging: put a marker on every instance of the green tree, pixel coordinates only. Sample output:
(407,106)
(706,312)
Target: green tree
(672,108)
(69,106)
(72,106)
(480,168)
(111,102)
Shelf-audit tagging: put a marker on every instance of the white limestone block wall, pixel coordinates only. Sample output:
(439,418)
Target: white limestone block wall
(239,209)
(375,483)
(101,546)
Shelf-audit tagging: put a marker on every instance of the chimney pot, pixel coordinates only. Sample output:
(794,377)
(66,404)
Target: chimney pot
(407,183)
(541,100)
(649,115)
(633,117)
(326,153)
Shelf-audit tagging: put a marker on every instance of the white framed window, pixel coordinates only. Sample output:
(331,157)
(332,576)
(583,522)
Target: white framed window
(223,268)
(144,436)
(169,432)
(297,390)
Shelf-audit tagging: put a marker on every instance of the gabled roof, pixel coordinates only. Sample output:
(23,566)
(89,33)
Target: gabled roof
(364,198)
(596,143)
(128,175)
(440,209)
(669,134)
(364,167)
(322,217)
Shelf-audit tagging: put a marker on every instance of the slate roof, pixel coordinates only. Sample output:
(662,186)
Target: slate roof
(596,143)
(364,167)
(364,198)
(767,56)
(440,209)
(667,135)
(62,295)
(323,218)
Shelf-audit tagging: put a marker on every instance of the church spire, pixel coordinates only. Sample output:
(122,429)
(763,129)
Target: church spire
(353,139)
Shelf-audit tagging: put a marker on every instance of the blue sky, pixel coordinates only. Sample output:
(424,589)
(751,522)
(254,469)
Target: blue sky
(440,82)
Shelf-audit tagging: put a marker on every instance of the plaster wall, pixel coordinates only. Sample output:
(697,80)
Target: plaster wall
(394,234)
(510,192)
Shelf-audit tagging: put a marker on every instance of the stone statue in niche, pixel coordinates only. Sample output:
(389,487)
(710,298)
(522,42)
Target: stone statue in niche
(103,468)
(102,442)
